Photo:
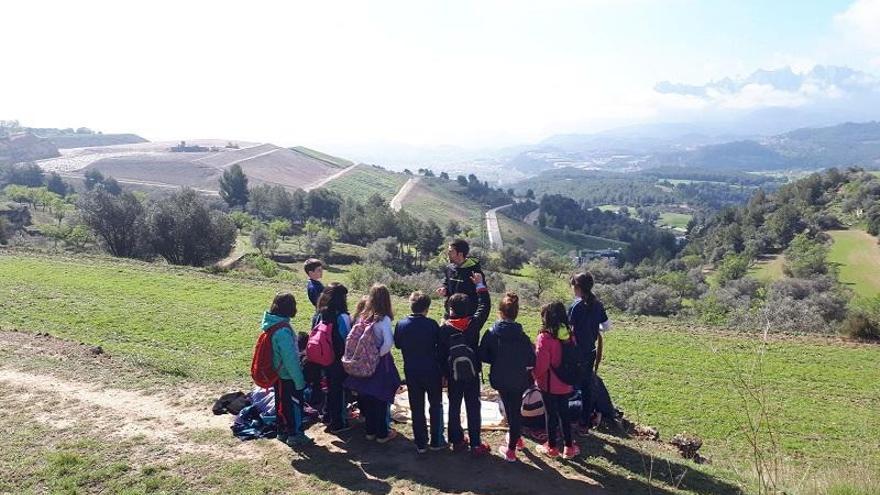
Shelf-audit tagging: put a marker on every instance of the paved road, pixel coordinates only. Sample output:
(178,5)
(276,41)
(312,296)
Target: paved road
(397,201)
(495,241)
(325,180)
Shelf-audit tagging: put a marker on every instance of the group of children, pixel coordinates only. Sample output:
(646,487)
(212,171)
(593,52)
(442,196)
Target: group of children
(449,353)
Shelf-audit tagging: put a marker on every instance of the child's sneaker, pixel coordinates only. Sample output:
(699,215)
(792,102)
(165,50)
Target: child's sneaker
(520,444)
(438,446)
(392,434)
(460,446)
(547,450)
(571,452)
(371,437)
(421,450)
(507,454)
(301,440)
(481,450)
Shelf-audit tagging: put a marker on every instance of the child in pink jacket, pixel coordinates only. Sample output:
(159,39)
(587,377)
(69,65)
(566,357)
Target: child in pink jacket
(555,392)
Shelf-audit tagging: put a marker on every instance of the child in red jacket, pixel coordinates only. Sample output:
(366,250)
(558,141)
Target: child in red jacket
(554,391)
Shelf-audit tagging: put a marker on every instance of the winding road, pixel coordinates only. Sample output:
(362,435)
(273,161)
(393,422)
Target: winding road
(492,229)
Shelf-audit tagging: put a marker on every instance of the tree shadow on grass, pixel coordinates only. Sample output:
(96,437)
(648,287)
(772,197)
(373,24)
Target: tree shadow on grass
(361,465)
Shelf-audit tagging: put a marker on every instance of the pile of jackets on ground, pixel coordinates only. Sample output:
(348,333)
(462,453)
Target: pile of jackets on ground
(254,413)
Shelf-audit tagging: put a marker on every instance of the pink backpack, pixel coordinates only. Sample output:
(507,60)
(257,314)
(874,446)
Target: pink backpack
(319,349)
(361,352)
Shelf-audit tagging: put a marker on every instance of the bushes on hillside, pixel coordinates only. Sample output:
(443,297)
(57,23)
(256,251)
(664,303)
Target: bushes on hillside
(184,231)
(641,297)
(805,258)
(117,221)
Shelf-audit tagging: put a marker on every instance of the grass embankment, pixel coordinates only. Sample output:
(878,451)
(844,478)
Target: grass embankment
(672,220)
(768,268)
(858,256)
(515,233)
(190,326)
(441,201)
(365,180)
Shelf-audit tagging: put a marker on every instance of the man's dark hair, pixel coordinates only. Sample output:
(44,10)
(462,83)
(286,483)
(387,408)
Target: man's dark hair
(311,264)
(459,305)
(461,246)
(283,305)
(418,302)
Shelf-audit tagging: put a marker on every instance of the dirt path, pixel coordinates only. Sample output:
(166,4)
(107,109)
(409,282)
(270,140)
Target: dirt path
(397,201)
(322,182)
(162,185)
(495,240)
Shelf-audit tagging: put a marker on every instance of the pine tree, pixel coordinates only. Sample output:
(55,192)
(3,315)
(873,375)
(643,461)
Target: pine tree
(234,186)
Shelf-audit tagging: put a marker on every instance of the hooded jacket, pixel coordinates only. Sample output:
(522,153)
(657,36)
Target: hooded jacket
(470,326)
(510,352)
(458,278)
(285,353)
(548,356)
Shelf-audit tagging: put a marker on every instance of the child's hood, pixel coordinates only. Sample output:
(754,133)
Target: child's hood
(270,319)
(505,328)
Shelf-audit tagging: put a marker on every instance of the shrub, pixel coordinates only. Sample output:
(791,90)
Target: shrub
(495,282)
(362,277)
(654,300)
(805,258)
(732,267)
(266,267)
(605,273)
(513,257)
(263,240)
(118,221)
(404,285)
(184,231)
(861,325)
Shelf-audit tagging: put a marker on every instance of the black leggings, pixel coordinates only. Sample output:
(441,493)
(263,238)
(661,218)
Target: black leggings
(556,412)
(512,400)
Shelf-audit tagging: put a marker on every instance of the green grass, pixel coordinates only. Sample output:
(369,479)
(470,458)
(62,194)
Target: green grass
(440,200)
(332,160)
(517,233)
(769,268)
(185,324)
(858,256)
(366,180)
(674,220)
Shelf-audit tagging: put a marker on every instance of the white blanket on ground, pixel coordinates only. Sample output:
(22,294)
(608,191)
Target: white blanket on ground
(491,417)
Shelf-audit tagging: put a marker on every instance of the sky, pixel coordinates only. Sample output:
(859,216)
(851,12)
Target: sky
(451,72)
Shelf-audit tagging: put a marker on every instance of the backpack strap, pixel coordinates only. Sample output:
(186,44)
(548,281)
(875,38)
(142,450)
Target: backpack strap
(271,333)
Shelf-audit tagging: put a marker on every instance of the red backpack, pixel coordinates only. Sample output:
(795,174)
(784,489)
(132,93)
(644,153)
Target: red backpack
(262,370)
(319,350)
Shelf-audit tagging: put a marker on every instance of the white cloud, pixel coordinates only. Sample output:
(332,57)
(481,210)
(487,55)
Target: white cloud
(860,25)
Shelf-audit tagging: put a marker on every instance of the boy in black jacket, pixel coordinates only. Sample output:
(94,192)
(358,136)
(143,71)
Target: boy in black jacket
(459,342)
(417,337)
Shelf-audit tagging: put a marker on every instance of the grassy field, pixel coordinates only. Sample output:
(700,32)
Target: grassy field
(182,325)
(769,268)
(515,232)
(674,220)
(439,200)
(366,180)
(858,256)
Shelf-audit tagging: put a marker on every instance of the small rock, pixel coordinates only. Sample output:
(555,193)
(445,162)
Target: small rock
(688,445)
(96,350)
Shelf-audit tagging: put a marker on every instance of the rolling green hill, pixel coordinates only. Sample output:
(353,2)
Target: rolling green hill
(441,201)
(532,238)
(365,180)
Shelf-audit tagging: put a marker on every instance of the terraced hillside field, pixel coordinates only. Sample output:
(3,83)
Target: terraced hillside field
(440,200)
(152,164)
(530,237)
(365,180)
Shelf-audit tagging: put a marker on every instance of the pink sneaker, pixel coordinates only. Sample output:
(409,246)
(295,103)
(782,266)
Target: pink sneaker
(547,450)
(507,454)
(481,450)
(571,452)
(520,445)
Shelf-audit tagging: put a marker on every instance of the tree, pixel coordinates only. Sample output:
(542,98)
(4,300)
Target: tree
(24,174)
(263,240)
(242,220)
(513,257)
(234,186)
(548,260)
(280,227)
(444,176)
(111,186)
(805,258)
(462,180)
(118,221)
(733,266)
(530,194)
(184,231)
(319,245)
(544,280)
(57,185)
(430,239)
(93,178)
(453,228)
(4,230)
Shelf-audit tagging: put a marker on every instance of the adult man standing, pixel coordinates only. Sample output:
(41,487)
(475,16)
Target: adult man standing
(460,271)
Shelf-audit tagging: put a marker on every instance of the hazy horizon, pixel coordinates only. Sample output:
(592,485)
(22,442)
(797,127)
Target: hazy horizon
(458,73)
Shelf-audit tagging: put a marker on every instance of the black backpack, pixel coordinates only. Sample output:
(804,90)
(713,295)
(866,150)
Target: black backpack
(575,366)
(509,371)
(462,359)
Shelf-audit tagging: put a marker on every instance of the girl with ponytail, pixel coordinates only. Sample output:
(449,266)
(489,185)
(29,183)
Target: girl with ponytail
(588,321)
